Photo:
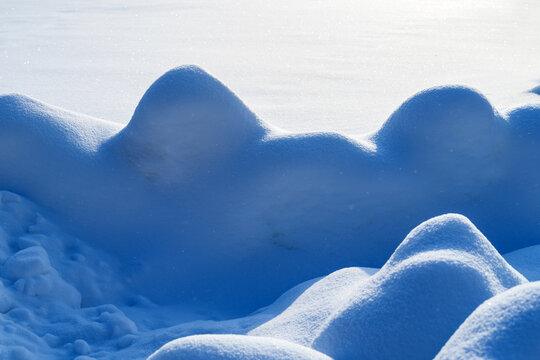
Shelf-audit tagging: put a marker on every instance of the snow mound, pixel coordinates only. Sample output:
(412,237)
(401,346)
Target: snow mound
(506,326)
(307,315)
(185,123)
(234,347)
(196,189)
(535,90)
(453,123)
(439,274)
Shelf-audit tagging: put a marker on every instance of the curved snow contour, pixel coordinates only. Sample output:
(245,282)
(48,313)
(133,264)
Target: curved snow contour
(438,275)
(306,316)
(187,122)
(234,347)
(196,189)
(504,327)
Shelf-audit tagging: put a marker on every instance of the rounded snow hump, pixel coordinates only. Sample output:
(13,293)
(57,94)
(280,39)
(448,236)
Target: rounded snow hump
(449,130)
(506,326)
(234,347)
(436,277)
(186,122)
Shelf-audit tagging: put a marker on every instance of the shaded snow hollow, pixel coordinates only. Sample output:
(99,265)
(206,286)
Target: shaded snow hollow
(165,215)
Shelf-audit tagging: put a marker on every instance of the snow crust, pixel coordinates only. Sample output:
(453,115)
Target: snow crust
(196,216)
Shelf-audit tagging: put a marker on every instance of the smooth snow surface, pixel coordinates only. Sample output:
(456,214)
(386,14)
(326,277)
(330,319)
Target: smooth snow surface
(526,261)
(306,65)
(504,327)
(234,347)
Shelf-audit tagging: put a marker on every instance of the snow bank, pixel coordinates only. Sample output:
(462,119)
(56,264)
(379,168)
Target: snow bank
(234,347)
(196,189)
(438,275)
(506,326)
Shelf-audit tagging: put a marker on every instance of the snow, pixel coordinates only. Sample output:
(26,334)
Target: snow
(304,66)
(197,188)
(50,285)
(306,317)
(32,261)
(202,229)
(506,326)
(526,261)
(445,263)
(438,275)
(186,123)
(234,347)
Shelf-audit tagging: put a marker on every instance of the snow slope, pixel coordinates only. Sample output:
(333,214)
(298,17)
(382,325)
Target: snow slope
(196,188)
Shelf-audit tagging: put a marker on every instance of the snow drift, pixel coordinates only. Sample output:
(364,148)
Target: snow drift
(504,327)
(439,274)
(197,210)
(196,188)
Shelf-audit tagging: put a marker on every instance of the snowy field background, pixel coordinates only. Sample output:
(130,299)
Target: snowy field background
(340,65)
(196,222)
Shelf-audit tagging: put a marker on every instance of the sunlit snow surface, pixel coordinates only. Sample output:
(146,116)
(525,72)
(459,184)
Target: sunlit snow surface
(304,65)
(199,218)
